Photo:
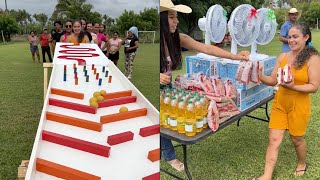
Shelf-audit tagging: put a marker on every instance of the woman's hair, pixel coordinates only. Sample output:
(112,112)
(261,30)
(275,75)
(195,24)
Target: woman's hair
(172,40)
(116,32)
(81,34)
(307,51)
(32,32)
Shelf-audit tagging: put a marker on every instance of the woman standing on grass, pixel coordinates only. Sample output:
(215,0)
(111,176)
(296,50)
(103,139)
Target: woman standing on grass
(131,44)
(34,41)
(291,106)
(114,47)
(171,42)
(77,36)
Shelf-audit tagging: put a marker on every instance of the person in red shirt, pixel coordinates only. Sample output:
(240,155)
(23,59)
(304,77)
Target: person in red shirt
(45,39)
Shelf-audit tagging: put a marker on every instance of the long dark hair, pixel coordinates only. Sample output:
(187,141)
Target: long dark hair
(172,40)
(81,34)
(307,51)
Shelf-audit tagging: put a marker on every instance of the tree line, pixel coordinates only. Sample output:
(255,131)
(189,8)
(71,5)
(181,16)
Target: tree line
(21,22)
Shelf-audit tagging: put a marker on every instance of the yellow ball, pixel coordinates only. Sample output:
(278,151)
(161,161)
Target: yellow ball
(93,99)
(103,92)
(100,98)
(123,109)
(94,104)
(96,94)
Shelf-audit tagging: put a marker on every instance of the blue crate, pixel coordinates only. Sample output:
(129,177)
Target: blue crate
(269,62)
(247,102)
(266,92)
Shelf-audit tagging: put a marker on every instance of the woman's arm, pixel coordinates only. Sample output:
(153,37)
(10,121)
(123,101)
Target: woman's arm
(136,45)
(105,45)
(313,75)
(189,43)
(272,79)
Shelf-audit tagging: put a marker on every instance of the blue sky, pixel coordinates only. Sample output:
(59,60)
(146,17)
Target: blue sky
(112,8)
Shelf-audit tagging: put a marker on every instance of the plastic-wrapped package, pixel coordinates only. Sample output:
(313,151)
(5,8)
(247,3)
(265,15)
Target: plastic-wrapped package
(280,76)
(213,116)
(218,86)
(231,89)
(240,69)
(287,74)
(246,73)
(255,75)
(205,84)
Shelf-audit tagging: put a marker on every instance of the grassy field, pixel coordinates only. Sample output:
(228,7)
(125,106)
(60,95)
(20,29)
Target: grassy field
(239,152)
(21,98)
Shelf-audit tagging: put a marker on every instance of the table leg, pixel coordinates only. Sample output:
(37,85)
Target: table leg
(267,112)
(238,123)
(45,82)
(185,161)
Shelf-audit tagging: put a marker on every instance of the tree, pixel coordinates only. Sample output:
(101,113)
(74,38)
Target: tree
(107,21)
(75,9)
(126,20)
(41,18)
(22,17)
(149,19)
(8,25)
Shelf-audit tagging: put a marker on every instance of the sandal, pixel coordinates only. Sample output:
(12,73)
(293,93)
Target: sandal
(302,170)
(177,165)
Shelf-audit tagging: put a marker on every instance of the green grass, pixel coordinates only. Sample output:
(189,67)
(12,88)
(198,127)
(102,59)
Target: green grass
(21,99)
(239,152)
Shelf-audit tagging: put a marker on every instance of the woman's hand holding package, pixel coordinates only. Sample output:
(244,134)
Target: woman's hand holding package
(243,55)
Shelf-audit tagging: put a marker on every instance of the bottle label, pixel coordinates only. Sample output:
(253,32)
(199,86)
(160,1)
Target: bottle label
(204,120)
(188,128)
(173,122)
(169,121)
(199,124)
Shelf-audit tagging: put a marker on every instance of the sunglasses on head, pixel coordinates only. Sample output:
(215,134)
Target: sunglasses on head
(68,26)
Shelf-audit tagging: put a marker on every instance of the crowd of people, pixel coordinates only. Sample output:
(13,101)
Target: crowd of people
(81,31)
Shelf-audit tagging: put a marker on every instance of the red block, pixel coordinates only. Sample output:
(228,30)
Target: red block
(117,101)
(73,106)
(97,76)
(120,138)
(150,130)
(154,155)
(76,143)
(155,176)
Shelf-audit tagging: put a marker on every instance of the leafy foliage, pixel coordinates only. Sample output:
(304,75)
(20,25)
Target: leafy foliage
(8,25)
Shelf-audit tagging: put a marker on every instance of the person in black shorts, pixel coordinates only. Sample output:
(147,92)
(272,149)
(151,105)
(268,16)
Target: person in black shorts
(114,47)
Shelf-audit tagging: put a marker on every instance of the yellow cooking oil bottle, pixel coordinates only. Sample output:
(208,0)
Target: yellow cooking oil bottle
(190,125)
(205,104)
(181,116)
(166,107)
(198,111)
(173,113)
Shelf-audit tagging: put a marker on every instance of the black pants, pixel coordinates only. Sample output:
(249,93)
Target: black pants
(46,49)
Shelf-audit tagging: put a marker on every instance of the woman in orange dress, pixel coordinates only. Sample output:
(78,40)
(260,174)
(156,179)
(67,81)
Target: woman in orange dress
(291,106)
